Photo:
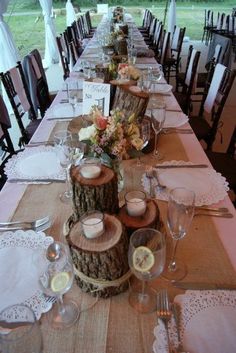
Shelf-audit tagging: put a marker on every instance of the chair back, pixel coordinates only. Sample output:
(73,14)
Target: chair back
(36,81)
(158,34)
(6,145)
(213,104)
(17,91)
(165,47)
(64,55)
(231,150)
(177,41)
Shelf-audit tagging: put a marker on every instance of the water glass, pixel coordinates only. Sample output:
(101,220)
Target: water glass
(20,330)
(132,56)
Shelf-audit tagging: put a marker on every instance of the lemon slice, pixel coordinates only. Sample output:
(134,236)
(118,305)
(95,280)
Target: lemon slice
(60,281)
(143,259)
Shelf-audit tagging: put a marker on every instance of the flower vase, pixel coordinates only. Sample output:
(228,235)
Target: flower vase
(118,168)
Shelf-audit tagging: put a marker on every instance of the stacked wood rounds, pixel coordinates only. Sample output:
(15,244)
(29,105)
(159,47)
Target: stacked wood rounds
(94,194)
(101,264)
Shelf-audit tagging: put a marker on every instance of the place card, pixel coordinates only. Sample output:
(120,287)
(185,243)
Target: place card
(98,94)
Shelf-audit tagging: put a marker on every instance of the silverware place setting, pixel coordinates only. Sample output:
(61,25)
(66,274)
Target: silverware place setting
(37,225)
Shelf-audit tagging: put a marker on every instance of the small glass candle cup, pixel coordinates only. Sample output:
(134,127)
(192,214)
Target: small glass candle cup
(90,168)
(92,224)
(135,203)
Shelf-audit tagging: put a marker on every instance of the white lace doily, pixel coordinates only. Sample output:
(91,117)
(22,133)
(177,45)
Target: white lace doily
(39,162)
(22,260)
(208,185)
(207,323)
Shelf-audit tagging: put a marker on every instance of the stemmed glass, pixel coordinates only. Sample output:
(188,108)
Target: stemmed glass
(179,217)
(56,281)
(147,254)
(145,136)
(73,95)
(158,115)
(70,153)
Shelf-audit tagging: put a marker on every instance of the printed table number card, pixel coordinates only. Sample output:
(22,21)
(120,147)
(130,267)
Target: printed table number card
(95,93)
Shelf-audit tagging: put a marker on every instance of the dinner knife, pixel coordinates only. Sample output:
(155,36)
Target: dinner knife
(204,286)
(170,166)
(45,180)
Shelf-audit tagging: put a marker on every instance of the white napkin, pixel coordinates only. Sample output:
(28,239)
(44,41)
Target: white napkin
(65,110)
(208,323)
(19,274)
(214,87)
(161,88)
(175,119)
(209,186)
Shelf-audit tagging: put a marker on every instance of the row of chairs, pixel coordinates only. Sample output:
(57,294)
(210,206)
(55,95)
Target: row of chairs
(220,24)
(73,40)
(167,47)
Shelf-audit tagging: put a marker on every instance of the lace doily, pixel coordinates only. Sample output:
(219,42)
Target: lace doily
(208,185)
(21,262)
(207,323)
(39,162)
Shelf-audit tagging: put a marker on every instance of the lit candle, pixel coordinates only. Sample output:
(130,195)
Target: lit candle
(90,171)
(136,207)
(93,227)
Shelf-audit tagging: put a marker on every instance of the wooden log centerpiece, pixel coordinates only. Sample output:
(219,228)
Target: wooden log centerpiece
(101,264)
(99,194)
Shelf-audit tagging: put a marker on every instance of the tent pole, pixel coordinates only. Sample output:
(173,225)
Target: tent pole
(165,13)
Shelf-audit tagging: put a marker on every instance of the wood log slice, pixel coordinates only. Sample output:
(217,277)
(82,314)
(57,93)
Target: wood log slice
(151,218)
(94,194)
(76,124)
(101,264)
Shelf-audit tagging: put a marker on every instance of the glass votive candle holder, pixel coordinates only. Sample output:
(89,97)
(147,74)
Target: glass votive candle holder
(90,168)
(135,203)
(92,224)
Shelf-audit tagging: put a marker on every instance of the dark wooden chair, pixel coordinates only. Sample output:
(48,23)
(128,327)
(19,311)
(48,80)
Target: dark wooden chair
(17,91)
(64,55)
(189,81)
(164,50)
(212,104)
(6,146)
(208,26)
(172,63)
(157,35)
(37,82)
(225,163)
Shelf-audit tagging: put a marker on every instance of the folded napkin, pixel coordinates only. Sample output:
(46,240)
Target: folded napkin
(209,187)
(147,53)
(18,283)
(173,119)
(207,323)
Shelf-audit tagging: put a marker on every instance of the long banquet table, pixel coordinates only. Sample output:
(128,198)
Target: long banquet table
(111,325)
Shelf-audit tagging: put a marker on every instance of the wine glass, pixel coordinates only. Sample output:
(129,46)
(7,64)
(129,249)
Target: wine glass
(73,95)
(56,281)
(145,136)
(70,153)
(179,217)
(158,114)
(147,253)
(60,136)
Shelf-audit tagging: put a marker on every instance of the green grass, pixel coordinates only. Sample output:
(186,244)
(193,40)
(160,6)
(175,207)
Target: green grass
(28,31)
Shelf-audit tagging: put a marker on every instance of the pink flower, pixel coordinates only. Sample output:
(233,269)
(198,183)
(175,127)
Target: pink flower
(100,122)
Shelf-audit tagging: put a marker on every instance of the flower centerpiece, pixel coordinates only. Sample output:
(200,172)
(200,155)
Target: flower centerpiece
(113,137)
(126,72)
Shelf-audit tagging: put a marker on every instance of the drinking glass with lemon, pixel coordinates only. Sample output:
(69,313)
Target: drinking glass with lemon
(147,255)
(56,281)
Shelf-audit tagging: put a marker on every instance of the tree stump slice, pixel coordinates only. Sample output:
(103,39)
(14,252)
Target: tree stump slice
(101,260)
(94,194)
(76,124)
(149,220)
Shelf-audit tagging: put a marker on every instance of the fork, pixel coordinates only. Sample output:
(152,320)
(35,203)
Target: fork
(164,313)
(149,175)
(37,224)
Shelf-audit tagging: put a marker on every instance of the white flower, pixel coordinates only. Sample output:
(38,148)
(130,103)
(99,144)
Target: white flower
(86,133)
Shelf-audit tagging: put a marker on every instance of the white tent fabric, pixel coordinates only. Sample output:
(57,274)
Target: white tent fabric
(172,16)
(51,51)
(70,13)
(9,53)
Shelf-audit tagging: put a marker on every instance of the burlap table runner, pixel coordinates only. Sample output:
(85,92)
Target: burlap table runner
(111,325)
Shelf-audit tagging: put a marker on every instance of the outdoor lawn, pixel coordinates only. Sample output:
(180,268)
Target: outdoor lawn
(26,21)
